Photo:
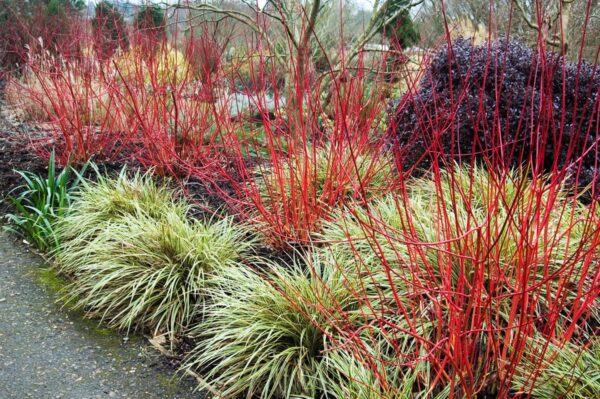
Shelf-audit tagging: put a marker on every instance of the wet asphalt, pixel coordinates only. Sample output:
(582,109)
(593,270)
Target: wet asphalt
(47,351)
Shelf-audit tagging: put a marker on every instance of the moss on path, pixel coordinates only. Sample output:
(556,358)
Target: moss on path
(49,352)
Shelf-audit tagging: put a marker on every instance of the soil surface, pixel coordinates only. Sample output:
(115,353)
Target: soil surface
(16,152)
(24,146)
(50,352)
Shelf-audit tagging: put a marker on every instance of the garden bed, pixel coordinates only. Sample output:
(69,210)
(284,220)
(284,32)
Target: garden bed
(321,247)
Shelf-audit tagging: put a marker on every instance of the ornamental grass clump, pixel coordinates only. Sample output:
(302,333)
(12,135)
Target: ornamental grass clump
(461,268)
(265,335)
(349,377)
(504,103)
(568,372)
(106,202)
(148,272)
(135,258)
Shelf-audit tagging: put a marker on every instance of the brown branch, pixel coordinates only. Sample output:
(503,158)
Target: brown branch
(238,16)
(562,14)
(528,21)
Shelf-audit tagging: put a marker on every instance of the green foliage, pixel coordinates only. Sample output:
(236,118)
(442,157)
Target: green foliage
(58,7)
(109,30)
(135,258)
(41,200)
(151,16)
(265,335)
(55,7)
(568,372)
(351,379)
(150,22)
(347,377)
(400,29)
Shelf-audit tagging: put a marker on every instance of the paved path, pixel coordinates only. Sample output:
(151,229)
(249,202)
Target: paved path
(49,352)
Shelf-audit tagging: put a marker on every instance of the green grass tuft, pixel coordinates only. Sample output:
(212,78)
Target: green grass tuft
(138,260)
(266,335)
(41,201)
(108,202)
(568,372)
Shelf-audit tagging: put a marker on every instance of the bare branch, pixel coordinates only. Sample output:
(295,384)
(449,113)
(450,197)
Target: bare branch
(238,16)
(528,21)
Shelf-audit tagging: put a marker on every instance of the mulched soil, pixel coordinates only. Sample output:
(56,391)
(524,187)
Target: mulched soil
(23,145)
(17,153)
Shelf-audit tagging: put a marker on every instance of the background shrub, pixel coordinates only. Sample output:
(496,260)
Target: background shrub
(53,24)
(151,28)
(136,71)
(109,29)
(503,103)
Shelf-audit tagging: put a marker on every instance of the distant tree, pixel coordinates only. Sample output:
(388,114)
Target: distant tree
(563,25)
(14,17)
(400,30)
(109,29)
(150,24)
(56,7)
(59,27)
(31,22)
(401,33)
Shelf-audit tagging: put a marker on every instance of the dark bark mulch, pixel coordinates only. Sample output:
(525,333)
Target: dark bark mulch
(17,153)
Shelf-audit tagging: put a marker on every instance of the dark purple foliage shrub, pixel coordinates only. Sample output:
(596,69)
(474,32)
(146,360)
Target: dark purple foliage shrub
(505,105)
